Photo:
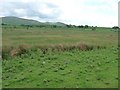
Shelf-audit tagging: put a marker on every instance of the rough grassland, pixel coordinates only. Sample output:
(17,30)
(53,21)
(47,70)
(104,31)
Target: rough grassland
(96,68)
(47,36)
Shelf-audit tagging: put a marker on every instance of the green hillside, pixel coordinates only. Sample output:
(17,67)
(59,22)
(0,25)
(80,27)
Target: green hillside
(55,23)
(20,21)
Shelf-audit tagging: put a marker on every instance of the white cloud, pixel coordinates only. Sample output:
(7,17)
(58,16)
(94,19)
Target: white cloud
(79,12)
(21,12)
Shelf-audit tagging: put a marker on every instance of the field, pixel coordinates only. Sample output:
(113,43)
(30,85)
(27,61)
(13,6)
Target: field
(60,58)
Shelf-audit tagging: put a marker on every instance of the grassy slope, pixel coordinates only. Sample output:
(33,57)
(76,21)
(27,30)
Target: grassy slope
(97,68)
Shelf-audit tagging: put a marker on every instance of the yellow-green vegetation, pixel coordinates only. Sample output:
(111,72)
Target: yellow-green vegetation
(60,57)
(51,36)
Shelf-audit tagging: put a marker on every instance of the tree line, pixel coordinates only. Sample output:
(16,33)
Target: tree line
(55,26)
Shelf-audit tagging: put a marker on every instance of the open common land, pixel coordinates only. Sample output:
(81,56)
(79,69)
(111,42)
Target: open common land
(59,57)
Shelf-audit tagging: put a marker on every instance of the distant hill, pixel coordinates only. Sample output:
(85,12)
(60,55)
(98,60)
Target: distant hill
(20,21)
(55,23)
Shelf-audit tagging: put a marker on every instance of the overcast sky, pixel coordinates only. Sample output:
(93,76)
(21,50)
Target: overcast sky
(77,12)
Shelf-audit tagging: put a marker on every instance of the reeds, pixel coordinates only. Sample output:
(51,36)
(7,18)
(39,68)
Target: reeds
(53,48)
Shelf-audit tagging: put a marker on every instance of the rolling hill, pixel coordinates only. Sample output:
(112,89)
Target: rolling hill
(10,20)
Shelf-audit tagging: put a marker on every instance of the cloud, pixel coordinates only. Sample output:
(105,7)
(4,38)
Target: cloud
(100,13)
(42,10)
(79,12)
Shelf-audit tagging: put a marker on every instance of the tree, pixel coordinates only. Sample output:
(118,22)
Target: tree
(86,26)
(3,24)
(54,26)
(93,28)
(115,27)
(68,26)
(81,26)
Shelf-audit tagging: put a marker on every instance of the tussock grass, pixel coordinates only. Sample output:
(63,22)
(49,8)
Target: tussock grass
(63,47)
(12,51)
(22,49)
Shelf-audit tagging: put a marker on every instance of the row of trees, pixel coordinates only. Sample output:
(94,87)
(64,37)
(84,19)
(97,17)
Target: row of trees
(69,26)
(55,26)
(81,26)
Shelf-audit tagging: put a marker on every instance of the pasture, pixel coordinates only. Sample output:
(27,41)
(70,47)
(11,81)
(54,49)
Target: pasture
(54,58)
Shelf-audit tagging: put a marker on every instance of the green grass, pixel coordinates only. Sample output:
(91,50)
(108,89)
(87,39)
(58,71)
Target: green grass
(83,69)
(96,68)
(0,74)
(54,36)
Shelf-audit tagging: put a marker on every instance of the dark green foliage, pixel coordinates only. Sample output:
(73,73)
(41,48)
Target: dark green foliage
(115,27)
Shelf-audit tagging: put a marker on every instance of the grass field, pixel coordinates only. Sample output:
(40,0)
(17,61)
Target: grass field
(65,66)
(48,36)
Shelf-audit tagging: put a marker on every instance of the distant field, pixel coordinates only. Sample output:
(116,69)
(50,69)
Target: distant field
(52,36)
(64,68)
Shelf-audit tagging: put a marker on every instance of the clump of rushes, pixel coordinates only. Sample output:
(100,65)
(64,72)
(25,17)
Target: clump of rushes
(30,70)
(38,84)
(62,74)
(55,70)
(87,79)
(107,83)
(63,47)
(61,68)
(28,81)
(7,84)
(98,78)
(117,78)
(40,74)
(61,80)
(20,50)
(46,80)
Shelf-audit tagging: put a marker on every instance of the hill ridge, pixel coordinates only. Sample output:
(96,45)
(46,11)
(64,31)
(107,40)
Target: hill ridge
(12,20)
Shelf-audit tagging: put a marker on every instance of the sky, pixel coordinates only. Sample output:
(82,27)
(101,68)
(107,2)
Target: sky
(102,13)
